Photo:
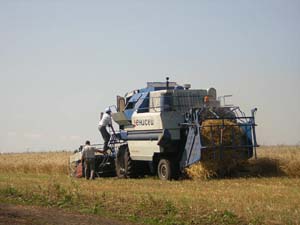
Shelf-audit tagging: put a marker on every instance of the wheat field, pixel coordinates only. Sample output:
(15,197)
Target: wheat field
(270,195)
(285,160)
(271,161)
(40,162)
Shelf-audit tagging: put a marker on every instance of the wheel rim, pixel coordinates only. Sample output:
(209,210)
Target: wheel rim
(163,171)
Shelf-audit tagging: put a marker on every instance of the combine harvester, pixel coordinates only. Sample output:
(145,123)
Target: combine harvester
(165,128)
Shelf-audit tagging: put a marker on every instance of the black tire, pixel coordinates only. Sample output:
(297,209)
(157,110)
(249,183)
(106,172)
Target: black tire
(125,166)
(120,162)
(167,169)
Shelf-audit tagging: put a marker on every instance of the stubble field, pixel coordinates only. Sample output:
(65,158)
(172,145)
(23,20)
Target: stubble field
(267,193)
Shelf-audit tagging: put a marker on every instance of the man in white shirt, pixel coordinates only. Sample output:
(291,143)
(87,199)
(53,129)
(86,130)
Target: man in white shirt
(88,157)
(105,122)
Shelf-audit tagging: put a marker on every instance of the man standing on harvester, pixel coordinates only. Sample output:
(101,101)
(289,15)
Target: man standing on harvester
(104,122)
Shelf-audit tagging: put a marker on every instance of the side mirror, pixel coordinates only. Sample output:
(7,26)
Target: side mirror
(120,104)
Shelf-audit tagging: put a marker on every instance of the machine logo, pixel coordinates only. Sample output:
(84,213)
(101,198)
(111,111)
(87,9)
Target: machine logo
(144,122)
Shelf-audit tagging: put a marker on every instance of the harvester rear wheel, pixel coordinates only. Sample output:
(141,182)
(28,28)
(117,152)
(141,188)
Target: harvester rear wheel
(167,169)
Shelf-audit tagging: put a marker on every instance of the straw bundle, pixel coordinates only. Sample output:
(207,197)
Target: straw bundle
(214,160)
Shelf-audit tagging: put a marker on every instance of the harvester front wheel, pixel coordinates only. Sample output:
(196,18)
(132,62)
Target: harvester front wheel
(166,169)
(124,165)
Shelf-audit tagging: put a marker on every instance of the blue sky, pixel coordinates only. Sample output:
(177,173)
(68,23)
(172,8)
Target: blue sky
(62,62)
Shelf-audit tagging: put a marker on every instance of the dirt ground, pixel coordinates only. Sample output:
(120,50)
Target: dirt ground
(34,215)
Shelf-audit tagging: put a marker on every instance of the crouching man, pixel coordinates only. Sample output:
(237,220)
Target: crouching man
(88,157)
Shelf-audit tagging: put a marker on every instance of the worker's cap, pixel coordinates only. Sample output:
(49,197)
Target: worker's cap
(107,110)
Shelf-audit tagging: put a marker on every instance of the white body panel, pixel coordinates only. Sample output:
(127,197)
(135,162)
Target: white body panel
(159,120)
(153,121)
(143,150)
(154,103)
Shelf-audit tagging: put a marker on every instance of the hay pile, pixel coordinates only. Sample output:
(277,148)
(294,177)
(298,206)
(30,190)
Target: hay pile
(214,162)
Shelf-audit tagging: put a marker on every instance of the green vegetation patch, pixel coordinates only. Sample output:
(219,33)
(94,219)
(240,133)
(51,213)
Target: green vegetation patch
(263,199)
(146,208)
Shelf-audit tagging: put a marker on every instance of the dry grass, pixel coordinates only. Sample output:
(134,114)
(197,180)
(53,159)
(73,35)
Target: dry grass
(50,162)
(232,134)
(271,161)
(278,160)
(251,200)
(151,201)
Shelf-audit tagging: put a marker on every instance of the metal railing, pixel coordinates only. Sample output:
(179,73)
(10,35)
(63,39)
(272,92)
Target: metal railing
(242,130)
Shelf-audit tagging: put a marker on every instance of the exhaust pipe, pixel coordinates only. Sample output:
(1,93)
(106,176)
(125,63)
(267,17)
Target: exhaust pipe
(167,82)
